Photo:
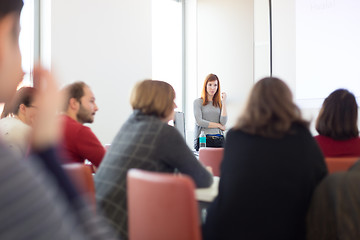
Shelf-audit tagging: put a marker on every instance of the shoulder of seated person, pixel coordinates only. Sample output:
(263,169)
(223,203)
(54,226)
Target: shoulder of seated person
(170,130)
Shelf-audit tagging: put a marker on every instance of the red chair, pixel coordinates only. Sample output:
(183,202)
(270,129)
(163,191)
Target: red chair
(336,164)
(83,180)
(212,157)
(161,206)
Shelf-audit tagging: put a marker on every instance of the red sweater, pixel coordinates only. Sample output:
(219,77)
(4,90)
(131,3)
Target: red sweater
(339,148)
(80,143)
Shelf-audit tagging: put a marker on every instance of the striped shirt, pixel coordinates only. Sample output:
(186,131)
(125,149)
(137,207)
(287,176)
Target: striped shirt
(32,206)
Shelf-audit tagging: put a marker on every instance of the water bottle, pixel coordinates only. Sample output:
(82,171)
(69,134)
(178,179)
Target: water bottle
(202,140)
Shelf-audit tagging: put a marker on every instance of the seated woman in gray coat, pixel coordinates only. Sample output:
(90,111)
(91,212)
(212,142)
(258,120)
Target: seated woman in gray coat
(146,142)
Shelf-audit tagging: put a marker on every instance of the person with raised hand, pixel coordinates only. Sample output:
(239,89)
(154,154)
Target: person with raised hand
(38,201)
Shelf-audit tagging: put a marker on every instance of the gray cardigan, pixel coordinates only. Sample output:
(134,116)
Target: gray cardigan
(206,114)
(147,143)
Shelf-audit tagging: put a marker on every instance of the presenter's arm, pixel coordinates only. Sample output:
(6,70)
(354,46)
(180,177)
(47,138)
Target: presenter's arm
(223,115)
(200,121)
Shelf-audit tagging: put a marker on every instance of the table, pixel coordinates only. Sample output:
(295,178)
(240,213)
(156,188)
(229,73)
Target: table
(205,196)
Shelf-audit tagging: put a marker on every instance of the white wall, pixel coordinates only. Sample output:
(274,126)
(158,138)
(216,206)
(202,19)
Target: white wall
(261,39)
(219,40)
(225,39)
(106,44)
(284,41)
(191,55)
(284,54)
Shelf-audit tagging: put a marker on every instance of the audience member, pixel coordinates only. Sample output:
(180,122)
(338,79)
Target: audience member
(334,212)
(79,142)
(37,200)
(147,142)
(17,118)
(337,125)
(270,168)
(210,113)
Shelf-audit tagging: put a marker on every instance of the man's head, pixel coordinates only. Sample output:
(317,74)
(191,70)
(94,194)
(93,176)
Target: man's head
(80,102)
(10,59)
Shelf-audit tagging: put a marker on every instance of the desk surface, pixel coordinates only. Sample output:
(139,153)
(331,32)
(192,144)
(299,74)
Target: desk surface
(208,194)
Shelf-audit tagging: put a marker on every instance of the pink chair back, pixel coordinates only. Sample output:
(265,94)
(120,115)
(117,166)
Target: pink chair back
(336,164)
(161,206)
(212,157)
(81,176)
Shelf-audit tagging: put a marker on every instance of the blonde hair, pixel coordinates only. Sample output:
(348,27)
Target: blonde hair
(270,110)
(153,97)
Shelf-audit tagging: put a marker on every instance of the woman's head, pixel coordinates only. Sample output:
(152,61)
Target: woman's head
(11,72)
(23,105)
(211,90)
(154,97)
(338,116)
(270,110)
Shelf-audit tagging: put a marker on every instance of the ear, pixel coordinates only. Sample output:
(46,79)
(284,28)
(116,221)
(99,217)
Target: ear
(22,109)
(74,104)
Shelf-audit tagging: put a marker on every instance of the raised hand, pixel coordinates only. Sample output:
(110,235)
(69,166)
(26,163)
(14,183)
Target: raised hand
(222,127)
(46,129)
(223,96)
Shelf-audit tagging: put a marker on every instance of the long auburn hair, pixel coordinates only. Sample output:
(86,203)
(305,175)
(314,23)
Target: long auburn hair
(270,110)
(338,116)
(216,99)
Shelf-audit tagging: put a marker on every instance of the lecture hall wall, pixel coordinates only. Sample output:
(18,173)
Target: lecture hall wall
(107,44)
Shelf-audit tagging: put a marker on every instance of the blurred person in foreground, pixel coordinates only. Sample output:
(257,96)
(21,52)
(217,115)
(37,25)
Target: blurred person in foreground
(270,169)
(334,212)
(37,199)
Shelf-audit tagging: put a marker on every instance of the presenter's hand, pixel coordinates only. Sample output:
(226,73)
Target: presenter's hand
(46,130)
(222,127)
(223,96)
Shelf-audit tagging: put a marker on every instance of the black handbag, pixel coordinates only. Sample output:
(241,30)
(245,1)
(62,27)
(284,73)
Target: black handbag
(215,141)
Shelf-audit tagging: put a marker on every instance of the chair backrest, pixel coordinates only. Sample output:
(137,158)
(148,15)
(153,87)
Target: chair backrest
(83,180)
(212,157)
(161,206)
(336,164)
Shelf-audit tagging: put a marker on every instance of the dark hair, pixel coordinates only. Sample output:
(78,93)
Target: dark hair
(74,90)
(338,116)
(24,95)
(270,110)
(216,99)
(10,6)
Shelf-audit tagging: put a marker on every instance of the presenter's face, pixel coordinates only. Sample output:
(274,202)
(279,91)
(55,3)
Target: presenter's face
(212,87)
